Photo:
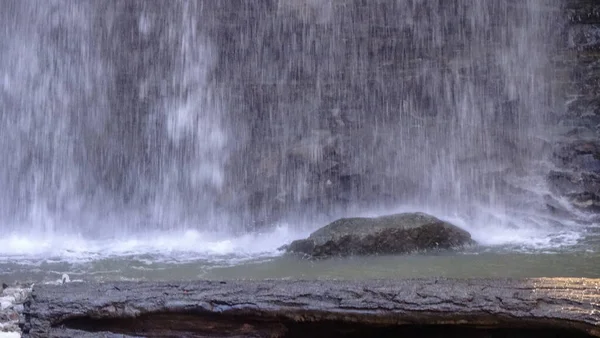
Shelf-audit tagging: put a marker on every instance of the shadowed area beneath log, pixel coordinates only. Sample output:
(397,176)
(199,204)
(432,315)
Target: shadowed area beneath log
(197,325)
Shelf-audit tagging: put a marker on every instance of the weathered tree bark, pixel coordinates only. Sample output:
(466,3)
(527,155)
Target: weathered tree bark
(543,307)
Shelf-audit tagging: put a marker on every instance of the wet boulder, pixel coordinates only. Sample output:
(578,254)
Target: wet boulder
(392,234)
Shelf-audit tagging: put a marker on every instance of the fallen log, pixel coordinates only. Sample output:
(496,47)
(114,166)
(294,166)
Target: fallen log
(543,307)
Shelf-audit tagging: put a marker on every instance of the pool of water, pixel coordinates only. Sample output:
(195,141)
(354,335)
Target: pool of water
(459,265)
(581,259)
(537,249)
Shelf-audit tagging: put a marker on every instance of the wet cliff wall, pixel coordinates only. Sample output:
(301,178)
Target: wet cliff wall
(292,109)
(576,176)
(350,106)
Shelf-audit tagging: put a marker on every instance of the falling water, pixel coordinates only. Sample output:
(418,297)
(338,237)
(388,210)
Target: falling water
(109,116)
(123,118)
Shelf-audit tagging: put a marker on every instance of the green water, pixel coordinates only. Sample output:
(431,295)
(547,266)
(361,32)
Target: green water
(459,265)
(581,259)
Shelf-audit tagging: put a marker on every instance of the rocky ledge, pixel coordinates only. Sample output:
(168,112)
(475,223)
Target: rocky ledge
(543,307)
(392,234)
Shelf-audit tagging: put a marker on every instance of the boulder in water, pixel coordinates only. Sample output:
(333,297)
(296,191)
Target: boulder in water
(393,234)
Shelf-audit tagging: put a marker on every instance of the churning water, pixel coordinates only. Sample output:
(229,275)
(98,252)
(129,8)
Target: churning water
(221,128)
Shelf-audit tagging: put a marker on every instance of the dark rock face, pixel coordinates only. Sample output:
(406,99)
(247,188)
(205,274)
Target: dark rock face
(350,109)
(541,307)
(394,234)
(577,155)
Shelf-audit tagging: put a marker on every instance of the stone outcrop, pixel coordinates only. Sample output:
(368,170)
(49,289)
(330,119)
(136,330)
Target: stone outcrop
(542,307)
(392,234)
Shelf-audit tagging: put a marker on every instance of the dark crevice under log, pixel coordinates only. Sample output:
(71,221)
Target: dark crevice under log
(190,325)
(546,307)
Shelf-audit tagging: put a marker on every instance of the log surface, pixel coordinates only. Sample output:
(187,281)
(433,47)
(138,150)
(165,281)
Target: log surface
(271,307)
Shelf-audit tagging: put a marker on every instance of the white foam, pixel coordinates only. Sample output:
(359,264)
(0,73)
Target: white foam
(490,229)
(501,228)
(533,238)
(177,246)
(495,228)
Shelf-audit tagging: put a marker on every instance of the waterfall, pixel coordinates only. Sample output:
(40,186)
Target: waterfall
(123,117)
